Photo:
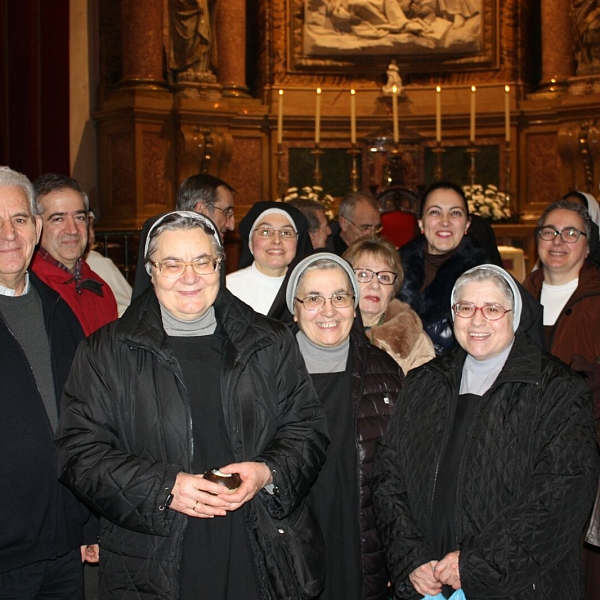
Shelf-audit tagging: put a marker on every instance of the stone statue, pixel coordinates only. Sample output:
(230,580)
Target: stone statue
(192,47)
(393,79)
(586,26)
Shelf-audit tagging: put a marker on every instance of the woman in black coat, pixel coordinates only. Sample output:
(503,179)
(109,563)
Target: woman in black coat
(191,379)
(488,470)
(357,384)
(434,260)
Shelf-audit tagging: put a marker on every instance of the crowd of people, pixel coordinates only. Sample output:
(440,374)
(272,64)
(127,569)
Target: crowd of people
(340,418)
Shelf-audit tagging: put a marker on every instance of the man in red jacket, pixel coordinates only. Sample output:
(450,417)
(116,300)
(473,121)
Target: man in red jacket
(63,207)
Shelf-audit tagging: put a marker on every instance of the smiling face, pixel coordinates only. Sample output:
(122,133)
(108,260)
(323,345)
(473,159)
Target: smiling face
(65,227)
(374,297)
(273,255)
(330,326)
(444,221)
(19,233)
(562,261)
(481,338)
(190,295)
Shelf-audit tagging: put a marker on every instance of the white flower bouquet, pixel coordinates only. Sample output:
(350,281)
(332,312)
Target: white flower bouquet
(489,203)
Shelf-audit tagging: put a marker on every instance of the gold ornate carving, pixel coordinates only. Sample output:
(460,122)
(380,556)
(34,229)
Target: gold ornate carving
(203,150)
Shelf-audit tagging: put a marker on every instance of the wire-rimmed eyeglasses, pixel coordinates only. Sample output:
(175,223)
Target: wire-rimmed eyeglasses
(491,312)
(384,277)
(317,302)
(366,228)
(228,212)
(175,268)
(269,232)
(569,235)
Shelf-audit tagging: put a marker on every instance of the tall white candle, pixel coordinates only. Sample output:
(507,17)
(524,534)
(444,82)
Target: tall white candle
(353,116)
(438,114)
(318,117)
(280,118)
(507,113)
(395,113)
(472,133)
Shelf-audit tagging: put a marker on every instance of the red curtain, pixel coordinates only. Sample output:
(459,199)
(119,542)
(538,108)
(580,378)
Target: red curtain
(34,86)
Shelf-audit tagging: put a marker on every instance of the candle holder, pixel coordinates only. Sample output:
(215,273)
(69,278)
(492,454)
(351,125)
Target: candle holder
(354,176)
(507,179)
(472,150)
(281,183)
(438,172)
(317,153)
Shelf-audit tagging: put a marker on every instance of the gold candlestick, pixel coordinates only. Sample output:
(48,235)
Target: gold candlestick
(354,176)
(438,172)
(317,153)
(472,151)
(507,179)
(281,183)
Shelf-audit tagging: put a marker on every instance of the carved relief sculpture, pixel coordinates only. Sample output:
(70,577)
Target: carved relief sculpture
(192,48)
(342,27)
(586,27)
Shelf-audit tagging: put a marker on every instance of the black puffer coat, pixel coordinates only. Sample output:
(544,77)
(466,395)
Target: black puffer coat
(376,384)
(433,304)
(525,487)
(126,433)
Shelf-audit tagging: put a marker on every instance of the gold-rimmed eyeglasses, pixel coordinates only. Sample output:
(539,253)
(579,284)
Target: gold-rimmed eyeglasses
(175,268)
(317,302)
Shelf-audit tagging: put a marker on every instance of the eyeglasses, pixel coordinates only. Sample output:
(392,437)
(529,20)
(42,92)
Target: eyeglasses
(569,235)
(366,228)
(384,277)
(492,312)
(228,212)
(316,302)
(175,268)
(268,232)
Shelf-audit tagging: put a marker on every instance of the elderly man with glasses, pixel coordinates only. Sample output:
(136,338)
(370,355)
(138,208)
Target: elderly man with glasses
(358,218)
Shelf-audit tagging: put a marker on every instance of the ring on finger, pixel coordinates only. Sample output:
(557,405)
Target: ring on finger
(195,504)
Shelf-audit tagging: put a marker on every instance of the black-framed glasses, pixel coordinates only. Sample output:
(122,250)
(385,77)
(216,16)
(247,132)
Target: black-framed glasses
(492,312)
(569,235)
(367,228)
(269,232)
(317,302)
(384,277)
(175,268)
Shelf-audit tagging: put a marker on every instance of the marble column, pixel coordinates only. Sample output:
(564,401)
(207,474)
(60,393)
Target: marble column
(557,45)
(142,43)
(231,46)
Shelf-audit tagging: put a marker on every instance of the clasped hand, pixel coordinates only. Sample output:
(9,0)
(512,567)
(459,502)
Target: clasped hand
(429,578)
(195,496)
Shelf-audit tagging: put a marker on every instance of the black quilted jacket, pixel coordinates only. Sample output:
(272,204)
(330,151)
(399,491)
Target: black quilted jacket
(433,304)
(526,483)
(126,433)
(376,384)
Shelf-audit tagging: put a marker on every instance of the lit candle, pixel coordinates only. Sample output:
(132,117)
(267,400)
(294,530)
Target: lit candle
(395,112)
(318,117)
(472,136)
(353,116)
(438,114)
(280,118)
(507,113)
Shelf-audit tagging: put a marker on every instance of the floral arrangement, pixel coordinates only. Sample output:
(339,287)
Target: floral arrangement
(489,203)
(314,192)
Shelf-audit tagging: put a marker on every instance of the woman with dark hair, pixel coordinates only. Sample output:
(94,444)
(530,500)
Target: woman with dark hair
(273,234)
(434,260)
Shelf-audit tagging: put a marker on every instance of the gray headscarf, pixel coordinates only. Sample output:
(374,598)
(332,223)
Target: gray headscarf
(307,262)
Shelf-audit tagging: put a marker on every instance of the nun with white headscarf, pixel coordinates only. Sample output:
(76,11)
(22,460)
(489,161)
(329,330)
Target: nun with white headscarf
(273,234)
(488,470)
